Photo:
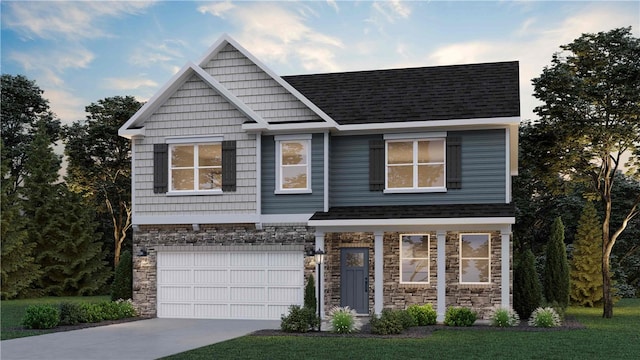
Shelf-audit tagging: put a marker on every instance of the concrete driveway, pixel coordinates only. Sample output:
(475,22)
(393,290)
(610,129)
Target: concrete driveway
(144,339)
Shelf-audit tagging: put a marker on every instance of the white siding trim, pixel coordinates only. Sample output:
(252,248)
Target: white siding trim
(378,279)
(133,178)
(192,139)
(258,174)
(292,137)
(196,219)
(326,171)
(420,221)
(416,136)
(441,286)
(505,256)
(507,165)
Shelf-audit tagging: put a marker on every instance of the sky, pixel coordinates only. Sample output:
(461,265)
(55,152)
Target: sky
(80,52)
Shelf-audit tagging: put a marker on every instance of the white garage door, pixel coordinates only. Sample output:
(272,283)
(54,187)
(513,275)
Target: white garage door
(229,285)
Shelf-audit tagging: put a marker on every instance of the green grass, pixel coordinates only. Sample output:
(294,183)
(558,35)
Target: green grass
(12,311)
(617,338)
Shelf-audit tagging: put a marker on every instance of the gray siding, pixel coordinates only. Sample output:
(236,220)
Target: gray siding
(292,203)
(483,173)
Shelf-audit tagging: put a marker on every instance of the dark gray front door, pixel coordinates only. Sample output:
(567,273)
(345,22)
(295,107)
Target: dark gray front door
(354,279)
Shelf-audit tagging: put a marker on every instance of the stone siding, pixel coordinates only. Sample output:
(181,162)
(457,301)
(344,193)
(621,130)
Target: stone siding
(153,238)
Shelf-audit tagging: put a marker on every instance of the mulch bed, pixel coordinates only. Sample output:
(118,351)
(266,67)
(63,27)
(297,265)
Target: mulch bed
(61,328)
(425,331)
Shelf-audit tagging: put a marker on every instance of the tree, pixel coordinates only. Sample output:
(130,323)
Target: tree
(586,270)
(23,108)
(60,227)
(526,286)
(310,301)
(19,269)
(590,119)
(556,267)
(122,286)
(100,164)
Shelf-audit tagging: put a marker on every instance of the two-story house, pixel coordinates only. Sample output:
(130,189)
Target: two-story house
(402,176)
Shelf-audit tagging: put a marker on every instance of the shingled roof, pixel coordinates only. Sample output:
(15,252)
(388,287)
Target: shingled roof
(416,212)
(415,94)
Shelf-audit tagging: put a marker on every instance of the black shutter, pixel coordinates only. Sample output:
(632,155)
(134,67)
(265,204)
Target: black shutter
(229,165)
(160,168)
(454,162)
(376,165)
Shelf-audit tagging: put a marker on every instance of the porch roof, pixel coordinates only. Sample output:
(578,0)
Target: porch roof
(447,211)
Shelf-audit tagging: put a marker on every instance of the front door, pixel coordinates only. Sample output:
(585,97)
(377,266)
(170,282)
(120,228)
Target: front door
(354,279)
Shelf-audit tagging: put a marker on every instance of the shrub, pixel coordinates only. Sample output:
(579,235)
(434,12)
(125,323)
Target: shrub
(406,319)
(504,317)
(586,266)
(545,317)
(126,309)
(41,317)
(310,301)
(343,320)
(299,320)
(388,323)
(121,288)
(556,267)
(92,312)
(459,316)
(71,313)
(423,314)
(526,285)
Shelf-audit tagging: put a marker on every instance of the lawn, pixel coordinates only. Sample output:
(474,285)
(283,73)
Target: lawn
(12,311)
(617,338)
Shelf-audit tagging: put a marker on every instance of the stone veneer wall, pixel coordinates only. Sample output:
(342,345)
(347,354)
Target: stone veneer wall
(399,296)
(154,237)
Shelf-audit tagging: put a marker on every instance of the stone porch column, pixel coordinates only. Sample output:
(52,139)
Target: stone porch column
(441,287)
(378,276)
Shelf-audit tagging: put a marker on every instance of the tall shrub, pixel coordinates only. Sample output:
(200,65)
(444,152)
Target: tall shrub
(526,286)
(556,267)
(310,301)
(586,265)
(121,288)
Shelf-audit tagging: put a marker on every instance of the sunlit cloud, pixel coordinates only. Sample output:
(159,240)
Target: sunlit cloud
(129,83)
(65,104)
(216,8)
(334,5)
(74,20)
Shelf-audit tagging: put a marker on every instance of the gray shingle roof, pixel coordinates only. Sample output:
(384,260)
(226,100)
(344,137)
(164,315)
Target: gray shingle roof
(415,94)
(416,212)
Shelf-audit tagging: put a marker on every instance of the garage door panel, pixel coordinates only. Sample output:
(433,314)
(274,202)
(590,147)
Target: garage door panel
(247,277)
(251,259)
(175,293)
(276,311)
(175,310)
(284,277)
(283,294)
(211,276)
(248,311)
(211,311)
(175,259)
(289,259)
(248,294)
(211,293)
(174,276)
(212,259)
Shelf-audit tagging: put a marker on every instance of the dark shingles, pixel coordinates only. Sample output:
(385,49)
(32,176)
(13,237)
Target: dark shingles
(416,212)
(415,94)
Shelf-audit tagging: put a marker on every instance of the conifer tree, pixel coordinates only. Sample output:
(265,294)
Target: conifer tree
(19,269)
(310,300)
(526,285)
(586,265)
(556,267)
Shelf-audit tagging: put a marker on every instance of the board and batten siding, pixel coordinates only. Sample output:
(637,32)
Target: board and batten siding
(256,88)
(483,173)
(195,110)
(292,203)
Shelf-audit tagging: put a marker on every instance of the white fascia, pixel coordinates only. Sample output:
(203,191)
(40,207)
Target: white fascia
(485,123)
(413,222)
(226,39)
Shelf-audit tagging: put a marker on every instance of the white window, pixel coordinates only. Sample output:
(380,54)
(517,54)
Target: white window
(414,259)
(293,164)
(415,165)
(475,258)
(195,167)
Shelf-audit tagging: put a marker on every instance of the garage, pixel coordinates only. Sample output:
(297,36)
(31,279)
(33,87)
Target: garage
(228,284)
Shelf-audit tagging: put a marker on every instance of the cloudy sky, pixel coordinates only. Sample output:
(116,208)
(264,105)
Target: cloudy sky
(80,52)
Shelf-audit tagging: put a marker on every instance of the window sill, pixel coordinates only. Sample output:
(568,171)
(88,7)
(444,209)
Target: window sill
(413,191)
(194,193)
(292,192)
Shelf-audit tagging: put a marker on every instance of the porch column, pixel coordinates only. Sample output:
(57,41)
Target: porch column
(319,280)
(378,280)
(441,286)
(505,264)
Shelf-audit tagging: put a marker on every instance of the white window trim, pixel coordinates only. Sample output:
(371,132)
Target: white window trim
(414,140)
(474,258)
(306,138)
(195,142)
(428,258)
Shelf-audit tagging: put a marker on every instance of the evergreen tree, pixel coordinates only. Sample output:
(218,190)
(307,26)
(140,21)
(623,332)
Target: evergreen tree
(310,301)
(586,265)
(556,267)
(526,286)
(60,228)
(121,288)
(19,269)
